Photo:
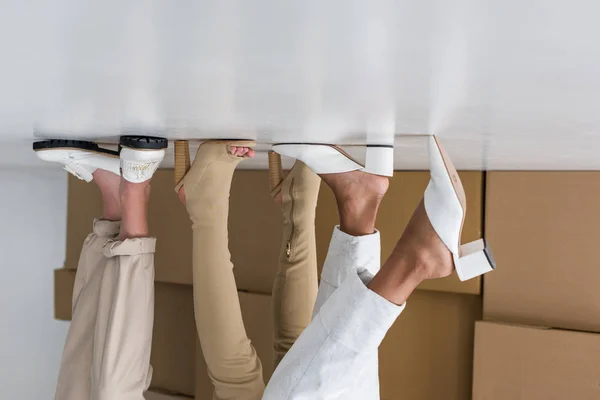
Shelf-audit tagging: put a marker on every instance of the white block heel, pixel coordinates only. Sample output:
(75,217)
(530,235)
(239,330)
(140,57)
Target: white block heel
(331,159)
(475,259)
(379,160)
(446,207)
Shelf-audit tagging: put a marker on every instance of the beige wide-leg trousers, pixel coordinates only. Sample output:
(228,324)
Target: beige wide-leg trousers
(233,365)
(107,351)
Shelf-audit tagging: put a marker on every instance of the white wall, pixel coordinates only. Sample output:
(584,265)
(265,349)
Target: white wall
(33,204)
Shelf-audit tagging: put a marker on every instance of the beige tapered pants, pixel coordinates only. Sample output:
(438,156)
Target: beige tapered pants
(233,365)
(107,351)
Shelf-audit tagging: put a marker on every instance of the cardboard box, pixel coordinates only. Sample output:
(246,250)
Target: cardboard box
(151,395)
(405,192)
(528,363)
(542,227)
(174,340)
(428,353)
(64,280)
(258,319)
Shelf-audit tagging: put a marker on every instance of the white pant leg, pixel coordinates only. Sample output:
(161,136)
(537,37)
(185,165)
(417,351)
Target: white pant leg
(332,358)
(350,255)
(347,255)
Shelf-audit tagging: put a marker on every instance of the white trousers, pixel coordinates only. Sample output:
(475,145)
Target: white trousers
(336,356)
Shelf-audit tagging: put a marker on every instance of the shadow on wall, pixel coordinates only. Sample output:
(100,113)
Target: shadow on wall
(33,204)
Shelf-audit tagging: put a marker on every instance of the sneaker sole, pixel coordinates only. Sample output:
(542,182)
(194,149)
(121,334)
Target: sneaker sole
(144,142)
(60,144)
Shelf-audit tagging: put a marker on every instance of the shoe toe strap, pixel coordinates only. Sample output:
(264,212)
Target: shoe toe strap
(72,172)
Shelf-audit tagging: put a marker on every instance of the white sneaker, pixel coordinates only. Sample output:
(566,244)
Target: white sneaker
(330,159)
(78,157)
(446,207)
(141,156)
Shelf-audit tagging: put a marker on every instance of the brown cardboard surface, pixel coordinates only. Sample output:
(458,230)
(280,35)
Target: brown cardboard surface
(542,227)
(526,363)
(152,395)
(255,226)
(405,192)
(174,340)
(258,319)
(64,279)
(428,353)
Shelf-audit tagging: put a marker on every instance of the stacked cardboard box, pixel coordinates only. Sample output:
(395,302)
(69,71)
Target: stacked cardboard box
(154,395)
(542,226)
(431,341)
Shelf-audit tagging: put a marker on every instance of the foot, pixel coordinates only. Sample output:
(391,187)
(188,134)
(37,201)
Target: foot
(358,195)
(419,255)
(432,258)
(79,158)
(242,152)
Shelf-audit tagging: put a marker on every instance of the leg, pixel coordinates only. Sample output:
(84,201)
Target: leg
(124,321)
(74,381)
(337,349)
(355,244)
(233,365)
(295,285)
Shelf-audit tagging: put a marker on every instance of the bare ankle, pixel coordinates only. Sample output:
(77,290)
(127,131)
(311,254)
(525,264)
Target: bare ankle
(134,208)
(128,189)
(397,279)
(112,212)
(357,217)
(181,195)
(358,197)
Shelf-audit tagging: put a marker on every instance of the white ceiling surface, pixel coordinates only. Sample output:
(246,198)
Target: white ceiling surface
(506,85)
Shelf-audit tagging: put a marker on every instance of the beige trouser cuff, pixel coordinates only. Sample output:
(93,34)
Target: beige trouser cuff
(129,247)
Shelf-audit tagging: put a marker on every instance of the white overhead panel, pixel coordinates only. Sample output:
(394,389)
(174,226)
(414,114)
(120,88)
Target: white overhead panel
(507,85)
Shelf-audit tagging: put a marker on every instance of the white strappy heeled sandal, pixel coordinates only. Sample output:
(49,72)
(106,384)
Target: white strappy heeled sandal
(446,206)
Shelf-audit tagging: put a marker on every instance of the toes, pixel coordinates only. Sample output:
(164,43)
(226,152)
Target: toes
(242,151)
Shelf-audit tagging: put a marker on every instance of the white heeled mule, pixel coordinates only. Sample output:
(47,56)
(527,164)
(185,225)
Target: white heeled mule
(331,159)
(446,206)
